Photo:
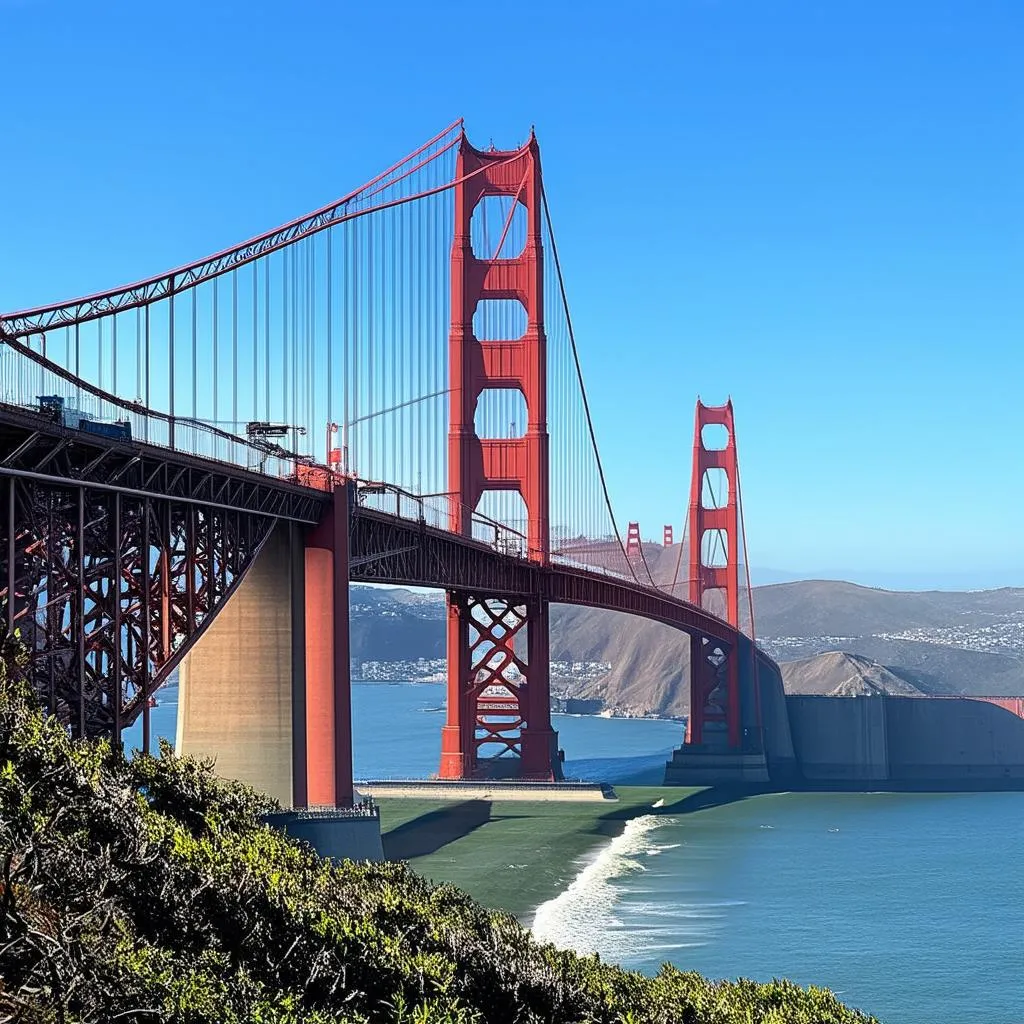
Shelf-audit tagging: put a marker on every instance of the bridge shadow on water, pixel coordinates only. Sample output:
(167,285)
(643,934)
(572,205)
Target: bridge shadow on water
(705,799)
(429,832)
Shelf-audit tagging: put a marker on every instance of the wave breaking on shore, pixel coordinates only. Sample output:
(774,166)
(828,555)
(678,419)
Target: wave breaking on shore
(582,918)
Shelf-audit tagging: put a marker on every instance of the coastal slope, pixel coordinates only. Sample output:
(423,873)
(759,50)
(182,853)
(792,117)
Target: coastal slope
(151,890)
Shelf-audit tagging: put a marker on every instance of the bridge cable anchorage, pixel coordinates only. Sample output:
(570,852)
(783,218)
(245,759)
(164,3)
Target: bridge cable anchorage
(582,386)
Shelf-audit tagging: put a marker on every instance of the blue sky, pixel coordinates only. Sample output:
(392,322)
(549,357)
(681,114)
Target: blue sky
(816,207)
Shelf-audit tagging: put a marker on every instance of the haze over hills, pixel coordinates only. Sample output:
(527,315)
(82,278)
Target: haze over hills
(899,642)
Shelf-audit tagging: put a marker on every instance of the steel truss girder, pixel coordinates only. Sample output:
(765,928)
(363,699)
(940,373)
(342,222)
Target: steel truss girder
(496,689)
(32,445)
(110,590)
(385,549)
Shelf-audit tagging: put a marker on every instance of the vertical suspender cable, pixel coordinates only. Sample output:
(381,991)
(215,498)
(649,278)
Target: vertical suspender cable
(293,341)
(170,354)
(266,337)
(330,327)
(138,354)
(371,337)
(311,427)
(195,376)
(254,411)
(348,312)
(146,396)
(396,318)
(216,367)
(357,344)
(285,261)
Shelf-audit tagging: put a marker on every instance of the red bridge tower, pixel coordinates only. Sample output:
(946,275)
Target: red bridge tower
(714,577)
(498,688)
(633,542)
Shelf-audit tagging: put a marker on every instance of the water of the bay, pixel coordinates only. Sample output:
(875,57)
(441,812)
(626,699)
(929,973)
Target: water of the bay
(910,906)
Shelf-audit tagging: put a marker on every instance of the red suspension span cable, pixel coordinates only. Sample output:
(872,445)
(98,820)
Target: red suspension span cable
(162,285)
(579,377)
(12,338)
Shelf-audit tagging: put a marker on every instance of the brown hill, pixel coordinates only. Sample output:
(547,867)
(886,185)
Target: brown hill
(833,608)
(931,642)
(650,662)
(839,674)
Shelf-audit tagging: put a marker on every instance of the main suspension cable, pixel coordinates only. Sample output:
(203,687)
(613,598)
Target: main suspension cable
(579,377)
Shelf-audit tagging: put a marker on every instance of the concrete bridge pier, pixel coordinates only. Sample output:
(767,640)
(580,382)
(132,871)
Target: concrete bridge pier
(266,689)
(713,753)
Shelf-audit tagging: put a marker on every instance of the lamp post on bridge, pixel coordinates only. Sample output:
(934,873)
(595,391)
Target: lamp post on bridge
(334,428)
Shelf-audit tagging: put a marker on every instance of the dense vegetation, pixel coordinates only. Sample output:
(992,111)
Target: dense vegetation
(150,891)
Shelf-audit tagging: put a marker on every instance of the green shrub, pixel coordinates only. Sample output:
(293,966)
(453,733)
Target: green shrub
(150,891)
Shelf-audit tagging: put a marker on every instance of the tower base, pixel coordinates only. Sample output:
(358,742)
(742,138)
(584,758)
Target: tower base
(699,766)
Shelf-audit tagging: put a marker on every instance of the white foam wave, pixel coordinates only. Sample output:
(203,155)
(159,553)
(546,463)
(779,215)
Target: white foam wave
(656,849)
(583,917)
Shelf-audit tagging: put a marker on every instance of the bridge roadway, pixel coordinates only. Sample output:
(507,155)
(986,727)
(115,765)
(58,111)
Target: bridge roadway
(385,547)
(75,502)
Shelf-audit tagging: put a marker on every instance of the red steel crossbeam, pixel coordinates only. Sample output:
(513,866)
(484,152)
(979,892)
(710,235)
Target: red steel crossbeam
(478,464)
(520,723)
(633,540)
(714,566)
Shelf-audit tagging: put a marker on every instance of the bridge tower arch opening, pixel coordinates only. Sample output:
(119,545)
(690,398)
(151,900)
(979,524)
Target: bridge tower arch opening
(498,681)
(713,526)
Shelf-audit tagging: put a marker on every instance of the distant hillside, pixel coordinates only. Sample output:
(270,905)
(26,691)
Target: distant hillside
(940,641)
(839,674)
(929,642)
(830,608)
(650,662)
(395,625)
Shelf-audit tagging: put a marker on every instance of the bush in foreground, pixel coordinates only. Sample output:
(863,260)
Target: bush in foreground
(150,891)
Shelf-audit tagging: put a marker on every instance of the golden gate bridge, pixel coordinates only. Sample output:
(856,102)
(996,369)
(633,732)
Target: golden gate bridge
(389,389)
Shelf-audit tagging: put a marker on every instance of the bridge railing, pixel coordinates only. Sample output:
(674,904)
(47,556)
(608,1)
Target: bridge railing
(23,382)
(437,511)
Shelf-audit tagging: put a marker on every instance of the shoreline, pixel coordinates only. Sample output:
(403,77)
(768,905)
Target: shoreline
(517,856)
(586,860)
(578,918)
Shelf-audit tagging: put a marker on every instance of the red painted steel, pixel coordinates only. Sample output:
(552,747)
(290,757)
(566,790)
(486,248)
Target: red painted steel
(1015,705)
(714,566)
(519,464)
(666,537)
(633,540)
(328,696)
(476,464)
(40,318)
